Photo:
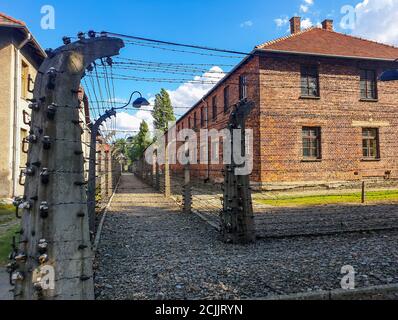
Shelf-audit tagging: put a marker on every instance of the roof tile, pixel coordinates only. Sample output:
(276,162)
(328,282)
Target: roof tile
(7,20)
(325,42)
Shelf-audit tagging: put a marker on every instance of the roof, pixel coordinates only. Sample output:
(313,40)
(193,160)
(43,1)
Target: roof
(7,21)
(319,41)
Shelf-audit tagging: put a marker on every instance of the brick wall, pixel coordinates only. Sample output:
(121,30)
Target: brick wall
(5,113)
(281,113)
(251,70)
(339,112)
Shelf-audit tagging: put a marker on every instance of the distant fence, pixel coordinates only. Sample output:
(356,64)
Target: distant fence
(302,211)
(108,173)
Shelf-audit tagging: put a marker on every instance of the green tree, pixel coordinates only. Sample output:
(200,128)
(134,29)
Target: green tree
(140,142)
(163,111)
(120,147)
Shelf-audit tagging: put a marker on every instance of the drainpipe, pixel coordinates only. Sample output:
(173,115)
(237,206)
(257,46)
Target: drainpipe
(16,104)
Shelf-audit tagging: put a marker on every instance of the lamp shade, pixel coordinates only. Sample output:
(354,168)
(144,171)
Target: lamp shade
(140,102)
(389,75)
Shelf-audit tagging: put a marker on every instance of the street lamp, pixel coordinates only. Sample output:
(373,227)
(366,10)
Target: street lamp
(138,103)
(390,75)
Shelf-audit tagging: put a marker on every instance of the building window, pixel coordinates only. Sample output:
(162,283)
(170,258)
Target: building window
(309,81)
(205,116)
(202,117)
(368,84)
(312,143)
(189,123)
(226,99)
(24,80)
(214,106)
(194,121)
(243,87)
(370,138)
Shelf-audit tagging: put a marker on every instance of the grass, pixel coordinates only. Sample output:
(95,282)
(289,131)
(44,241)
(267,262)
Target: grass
(6,209)
(316,200)
(7,230)
(5,243)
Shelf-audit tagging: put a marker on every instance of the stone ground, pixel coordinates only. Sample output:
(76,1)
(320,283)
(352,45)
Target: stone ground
(150,250)
(5,287)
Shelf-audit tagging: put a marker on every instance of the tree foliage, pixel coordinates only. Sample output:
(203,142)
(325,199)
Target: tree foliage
(163,111)
(139,143)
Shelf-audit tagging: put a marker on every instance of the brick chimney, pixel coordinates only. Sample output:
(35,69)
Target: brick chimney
(295,25)
(327,25)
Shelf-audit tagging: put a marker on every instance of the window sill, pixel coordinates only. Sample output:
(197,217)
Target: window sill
(368,100)
(311,160)
(310,97)
(371,160)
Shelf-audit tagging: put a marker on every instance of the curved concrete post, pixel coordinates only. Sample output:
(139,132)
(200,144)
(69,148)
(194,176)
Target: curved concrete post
(55,232)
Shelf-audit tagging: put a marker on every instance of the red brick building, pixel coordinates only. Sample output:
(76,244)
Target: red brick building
(321,116)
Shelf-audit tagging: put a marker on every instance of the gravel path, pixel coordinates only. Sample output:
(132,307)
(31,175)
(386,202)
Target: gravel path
(149,250)
(5,293)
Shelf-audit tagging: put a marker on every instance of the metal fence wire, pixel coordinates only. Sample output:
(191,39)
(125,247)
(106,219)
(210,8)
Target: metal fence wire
(301,211)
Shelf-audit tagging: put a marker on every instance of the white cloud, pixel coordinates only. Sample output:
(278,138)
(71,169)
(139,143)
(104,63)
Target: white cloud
(183,98)
(247,24)
(306,23)
(189,93)
(376,20)
(127,124)
(304,8)
(280,22)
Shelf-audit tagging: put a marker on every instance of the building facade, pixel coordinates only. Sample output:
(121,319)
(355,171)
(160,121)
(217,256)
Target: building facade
(20,58)
(320,117)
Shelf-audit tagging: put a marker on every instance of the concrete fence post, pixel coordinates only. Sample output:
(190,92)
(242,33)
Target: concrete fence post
(237,219)
(157,172)
(54,258)
(167,190)
(110,173)
(187,190)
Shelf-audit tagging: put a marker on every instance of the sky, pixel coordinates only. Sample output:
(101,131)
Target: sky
(227,24)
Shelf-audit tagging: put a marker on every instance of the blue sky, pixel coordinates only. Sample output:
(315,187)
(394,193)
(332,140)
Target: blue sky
(229,24)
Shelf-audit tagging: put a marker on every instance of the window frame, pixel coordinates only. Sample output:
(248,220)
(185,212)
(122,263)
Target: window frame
(214,108)
(317,137)
(369,148)
(24,80)
(243,87)
(373,93)
(226,99)
(305,73)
